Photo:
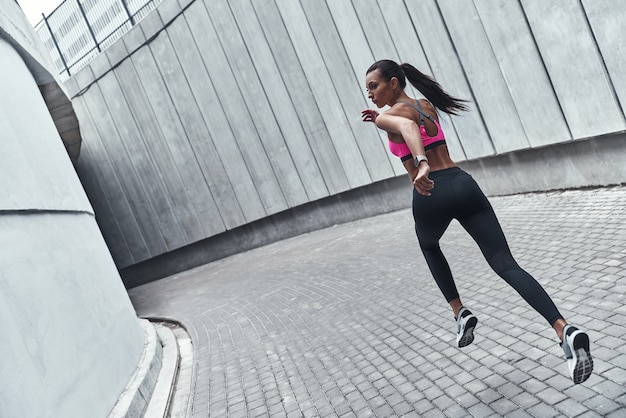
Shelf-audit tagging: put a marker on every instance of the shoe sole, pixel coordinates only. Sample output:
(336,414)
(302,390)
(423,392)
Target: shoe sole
(468,335)
(581,356)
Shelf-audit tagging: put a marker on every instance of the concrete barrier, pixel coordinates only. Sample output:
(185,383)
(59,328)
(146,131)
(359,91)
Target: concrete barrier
(70,338)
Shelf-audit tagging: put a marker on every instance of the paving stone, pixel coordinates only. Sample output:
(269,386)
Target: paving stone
(431,413)
(432,393)
(616,375)
(610,388)
(423,406)
(377,401)
(519,414)
(615,414)
(384,411)
(525,400)
(570,407)
(593,414)
(369,394)
(402,408)
(325,411)
(603,405)
(414,396)
(543,410)
(338,322)
(467,400)
(444,402)
(503,406)
(480,410)
(551,396)
(533,386)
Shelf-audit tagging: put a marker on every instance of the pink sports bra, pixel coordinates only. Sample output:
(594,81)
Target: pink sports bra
(402,149)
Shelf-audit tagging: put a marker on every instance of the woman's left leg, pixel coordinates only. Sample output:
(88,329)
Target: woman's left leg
(476,215)
(478,218)
(485,229)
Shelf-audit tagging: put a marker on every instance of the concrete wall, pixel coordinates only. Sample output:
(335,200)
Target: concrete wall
(70,337)
(211,117)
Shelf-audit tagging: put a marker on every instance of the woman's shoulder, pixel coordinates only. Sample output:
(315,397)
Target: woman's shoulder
(427,105)
(406,109)
(429,108)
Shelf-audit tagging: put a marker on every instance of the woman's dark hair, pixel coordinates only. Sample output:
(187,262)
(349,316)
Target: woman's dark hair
(425,84)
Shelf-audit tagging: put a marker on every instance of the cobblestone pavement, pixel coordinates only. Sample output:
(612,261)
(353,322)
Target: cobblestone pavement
(347,321)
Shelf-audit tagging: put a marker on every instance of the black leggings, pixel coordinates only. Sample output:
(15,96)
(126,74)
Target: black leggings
(457,196)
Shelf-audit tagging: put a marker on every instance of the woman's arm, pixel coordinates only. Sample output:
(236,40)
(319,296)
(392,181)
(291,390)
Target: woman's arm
(411,134)
(403,126)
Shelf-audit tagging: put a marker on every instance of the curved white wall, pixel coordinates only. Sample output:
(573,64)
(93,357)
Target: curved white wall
(70,338)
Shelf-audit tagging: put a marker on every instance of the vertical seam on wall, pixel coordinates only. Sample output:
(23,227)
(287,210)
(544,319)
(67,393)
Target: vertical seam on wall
(269,103)
(173,103)
(226,118)
(202,121)
(150,154)
(132,164)
(469,85)
(602,61)
(123,249)
(336,95)
(183,79)
(315,100)
(430,68)
(354,137)
(302,129)
(397,53)
(545,67)
(387,153)
(493,53)
(95,127)
(245,103)
(124,185)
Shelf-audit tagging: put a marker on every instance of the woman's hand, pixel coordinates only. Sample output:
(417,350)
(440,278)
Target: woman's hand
(369,115)
(422,183)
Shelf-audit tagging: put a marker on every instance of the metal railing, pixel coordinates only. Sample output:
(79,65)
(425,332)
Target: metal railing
(78,30)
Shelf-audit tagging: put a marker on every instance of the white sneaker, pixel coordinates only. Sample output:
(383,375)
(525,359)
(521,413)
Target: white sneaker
(465,324)
(576,347)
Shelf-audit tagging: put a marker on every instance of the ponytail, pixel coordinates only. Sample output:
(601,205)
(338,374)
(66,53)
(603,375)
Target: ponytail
(425,84)
(433,91)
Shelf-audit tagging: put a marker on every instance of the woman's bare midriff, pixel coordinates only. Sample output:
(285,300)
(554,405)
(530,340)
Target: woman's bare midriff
(438,159)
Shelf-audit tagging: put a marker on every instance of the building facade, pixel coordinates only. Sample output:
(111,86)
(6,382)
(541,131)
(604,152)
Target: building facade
(78,30)
(215,126)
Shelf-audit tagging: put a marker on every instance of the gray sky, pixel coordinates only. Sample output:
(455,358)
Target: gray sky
(34,8)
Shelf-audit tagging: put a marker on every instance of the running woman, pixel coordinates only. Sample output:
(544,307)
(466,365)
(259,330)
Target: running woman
(442,192)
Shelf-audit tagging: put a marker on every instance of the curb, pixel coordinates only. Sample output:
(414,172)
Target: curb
(172,390)
(135,397)
(162,383)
